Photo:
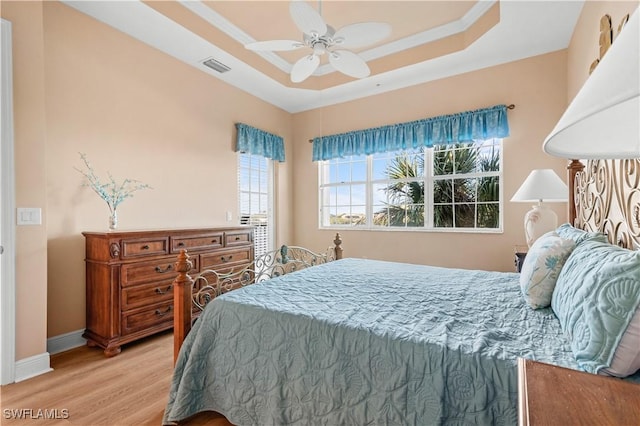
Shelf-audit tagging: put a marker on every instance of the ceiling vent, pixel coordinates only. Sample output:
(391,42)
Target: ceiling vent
(216,66)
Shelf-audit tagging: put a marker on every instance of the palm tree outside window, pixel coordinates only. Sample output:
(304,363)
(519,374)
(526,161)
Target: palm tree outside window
(448,187)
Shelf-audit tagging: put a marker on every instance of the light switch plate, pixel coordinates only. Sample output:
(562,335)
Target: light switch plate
(29,216)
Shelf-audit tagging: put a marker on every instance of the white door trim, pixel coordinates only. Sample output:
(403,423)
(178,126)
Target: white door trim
(7,213)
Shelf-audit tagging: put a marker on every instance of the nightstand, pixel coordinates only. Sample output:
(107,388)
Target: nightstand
(551,395)
(520,254)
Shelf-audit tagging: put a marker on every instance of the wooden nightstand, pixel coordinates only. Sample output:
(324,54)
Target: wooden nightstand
(520,254)
(551,395)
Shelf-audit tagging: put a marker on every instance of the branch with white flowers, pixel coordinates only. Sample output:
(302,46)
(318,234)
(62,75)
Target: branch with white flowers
(111,192)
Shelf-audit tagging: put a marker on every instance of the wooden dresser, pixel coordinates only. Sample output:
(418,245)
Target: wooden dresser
(551,395)
(130,274)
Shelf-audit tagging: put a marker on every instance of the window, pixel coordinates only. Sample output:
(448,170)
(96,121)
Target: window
(448,187)
(254,187)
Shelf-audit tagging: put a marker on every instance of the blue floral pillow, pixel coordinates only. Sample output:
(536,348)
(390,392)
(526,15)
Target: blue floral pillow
(596,297)
(542,267)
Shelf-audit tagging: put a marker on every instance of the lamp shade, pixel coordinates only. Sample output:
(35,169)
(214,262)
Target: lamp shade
(603,120)
(542,185)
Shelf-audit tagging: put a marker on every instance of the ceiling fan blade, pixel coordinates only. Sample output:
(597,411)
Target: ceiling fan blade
(274,45)
(349,63)
(306,18)
(304,68)
(360,35)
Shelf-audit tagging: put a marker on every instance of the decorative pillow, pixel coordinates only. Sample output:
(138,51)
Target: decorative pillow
(595,299)
(541,268)
(626,360)
(568,232)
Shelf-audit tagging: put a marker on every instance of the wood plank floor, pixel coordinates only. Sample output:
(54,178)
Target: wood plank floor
(128,389)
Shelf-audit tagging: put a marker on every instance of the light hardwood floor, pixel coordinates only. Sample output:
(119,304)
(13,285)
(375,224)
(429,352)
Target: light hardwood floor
(128,389)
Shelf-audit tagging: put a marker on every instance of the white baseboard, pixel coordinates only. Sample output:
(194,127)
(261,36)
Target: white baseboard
(64,342)
(32,366)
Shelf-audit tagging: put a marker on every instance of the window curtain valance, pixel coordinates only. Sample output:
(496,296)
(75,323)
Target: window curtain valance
(483,123)
(258,142)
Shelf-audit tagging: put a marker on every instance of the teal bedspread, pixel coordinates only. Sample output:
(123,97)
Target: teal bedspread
(358,342)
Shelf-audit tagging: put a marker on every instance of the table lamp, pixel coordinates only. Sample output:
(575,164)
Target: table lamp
(541,186)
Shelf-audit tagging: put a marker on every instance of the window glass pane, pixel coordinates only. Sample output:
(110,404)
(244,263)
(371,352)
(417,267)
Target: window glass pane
(489,189)
(464,158)
(380,215)
(464,190)
(358,194)
(379,195)
(244,202)
(332,173)
(359,171)
(414,215)
(344,172)
(244,180)
(443,216)
(263,204)
(465,215)
(380,165)
(443,191)
(343,195)
(488,215)
(358,215)
(443,159)
(489,158)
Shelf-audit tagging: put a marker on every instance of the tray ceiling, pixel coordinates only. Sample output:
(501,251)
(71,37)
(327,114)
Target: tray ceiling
(429,40)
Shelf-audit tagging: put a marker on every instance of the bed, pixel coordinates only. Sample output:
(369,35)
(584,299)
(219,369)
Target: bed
(353,341)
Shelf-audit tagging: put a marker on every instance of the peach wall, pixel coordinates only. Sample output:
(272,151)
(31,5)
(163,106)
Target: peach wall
(137,113)
(584,47)
(30,173)
(538,89)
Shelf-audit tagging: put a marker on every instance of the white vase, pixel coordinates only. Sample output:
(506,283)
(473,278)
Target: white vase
(113,220)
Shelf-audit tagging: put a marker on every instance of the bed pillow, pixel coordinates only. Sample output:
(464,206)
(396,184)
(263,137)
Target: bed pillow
(541,268)
(568,232)
(626,360)
(596,297)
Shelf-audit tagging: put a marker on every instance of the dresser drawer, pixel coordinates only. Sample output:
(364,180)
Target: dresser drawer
(141,319)
(153,271)
(147,294)
(225,258)
(238,238)
(145,247)
(197,242)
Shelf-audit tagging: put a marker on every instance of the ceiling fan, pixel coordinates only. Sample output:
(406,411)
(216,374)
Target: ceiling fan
(323,38)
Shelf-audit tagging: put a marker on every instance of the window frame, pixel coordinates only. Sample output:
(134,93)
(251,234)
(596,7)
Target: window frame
(427,180)
(270,185)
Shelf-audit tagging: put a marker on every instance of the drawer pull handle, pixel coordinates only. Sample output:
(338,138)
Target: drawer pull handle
(145,247)
(180,244)
(162,271)
(214,241)
(237,238)
(226,258)
(160,291)
(161,314)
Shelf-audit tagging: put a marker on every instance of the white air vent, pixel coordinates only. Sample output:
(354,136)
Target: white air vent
(215,65)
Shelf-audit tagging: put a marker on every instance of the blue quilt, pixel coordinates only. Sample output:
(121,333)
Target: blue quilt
(359,342)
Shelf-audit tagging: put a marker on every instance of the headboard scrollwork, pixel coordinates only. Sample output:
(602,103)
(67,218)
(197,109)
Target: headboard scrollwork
(607,200)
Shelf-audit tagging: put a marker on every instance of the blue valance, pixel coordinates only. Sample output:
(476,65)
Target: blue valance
(258,142)
(483,123)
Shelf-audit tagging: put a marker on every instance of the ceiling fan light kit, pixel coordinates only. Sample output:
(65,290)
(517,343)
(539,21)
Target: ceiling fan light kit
(323,38)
